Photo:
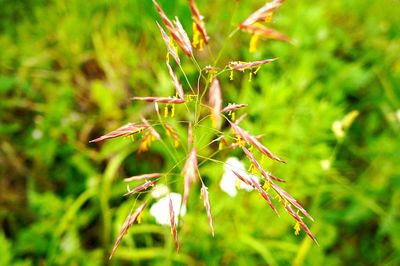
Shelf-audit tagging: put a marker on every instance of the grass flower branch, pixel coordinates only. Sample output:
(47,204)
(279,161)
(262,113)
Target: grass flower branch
(224,131)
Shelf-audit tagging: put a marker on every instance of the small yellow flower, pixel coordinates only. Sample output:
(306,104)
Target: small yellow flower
(253,43)
(250,75)
(220,146)
(296,228)
(197,40)
(268,17)
(172,110)
(166,111)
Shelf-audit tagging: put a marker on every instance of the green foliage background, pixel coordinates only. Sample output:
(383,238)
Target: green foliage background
(69,68)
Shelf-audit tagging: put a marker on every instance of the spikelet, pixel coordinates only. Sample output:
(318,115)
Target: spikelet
(262,14)
(251,182)
(300,221)
(173,224)
(232,107)
(198,23)
(142,177)
(215,101)
(189,174)
(129,221)
(168,42)
(207,206)
(266,32)
(254,141)
(267,176)
(253,25)
(142,187)
(176,30)
(168,100)
(239,65)
(124,131)
(172,133)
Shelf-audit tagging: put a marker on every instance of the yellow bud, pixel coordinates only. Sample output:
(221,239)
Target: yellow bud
(297,228)
(237,183)
(196,36)
(253,43)
(269,16)
(267,186)
(231,75)
(220,146)
(251,148)
(139,218)
(166,111)
(251,168)
(250,76)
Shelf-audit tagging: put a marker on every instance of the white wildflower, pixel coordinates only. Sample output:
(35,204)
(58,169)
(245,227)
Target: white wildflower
(159,191)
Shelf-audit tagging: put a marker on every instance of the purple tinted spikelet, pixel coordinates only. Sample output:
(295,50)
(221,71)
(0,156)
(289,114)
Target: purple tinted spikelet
(124,131)
(206,201)
(255,142)
(168,43)
(189,174)
(258,166)
(215,101)
(142,177)
(168,100)
(266,32)
(261,14)
(253,23)
(198,21)
(239,65)
(176,30)
(232,107)
(251,182)
(286,196)
(129,221)
(142,187)
(173,224)
(300,221)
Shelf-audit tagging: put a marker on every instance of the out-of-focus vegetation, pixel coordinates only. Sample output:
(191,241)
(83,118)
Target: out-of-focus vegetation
(69,68)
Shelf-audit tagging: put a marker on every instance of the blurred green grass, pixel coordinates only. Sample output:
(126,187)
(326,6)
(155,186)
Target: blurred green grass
(68,69)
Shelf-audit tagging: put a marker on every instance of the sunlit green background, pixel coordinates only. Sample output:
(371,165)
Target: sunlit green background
(69,68)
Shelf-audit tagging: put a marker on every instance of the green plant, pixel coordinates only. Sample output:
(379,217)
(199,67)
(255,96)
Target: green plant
(211,128)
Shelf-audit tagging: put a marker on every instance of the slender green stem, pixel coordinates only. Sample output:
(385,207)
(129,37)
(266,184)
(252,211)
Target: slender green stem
(187,80)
